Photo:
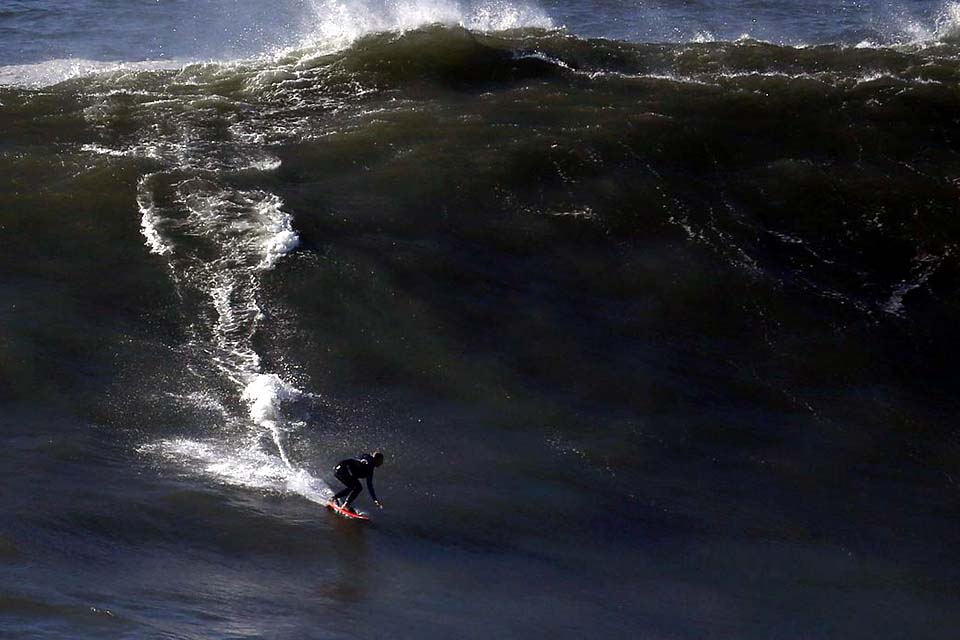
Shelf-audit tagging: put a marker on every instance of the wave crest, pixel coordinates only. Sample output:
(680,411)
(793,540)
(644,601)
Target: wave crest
(336,24)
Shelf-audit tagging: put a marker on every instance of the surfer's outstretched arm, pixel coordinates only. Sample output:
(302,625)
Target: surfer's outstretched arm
(373,494)
(375,461)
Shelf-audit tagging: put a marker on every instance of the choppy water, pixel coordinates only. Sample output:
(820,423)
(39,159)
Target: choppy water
(650,305)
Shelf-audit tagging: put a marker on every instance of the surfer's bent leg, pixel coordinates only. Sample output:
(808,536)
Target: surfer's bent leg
(353,485)
(354,492)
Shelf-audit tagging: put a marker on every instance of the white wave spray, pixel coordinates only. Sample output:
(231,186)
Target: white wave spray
(901,27)
(337,23)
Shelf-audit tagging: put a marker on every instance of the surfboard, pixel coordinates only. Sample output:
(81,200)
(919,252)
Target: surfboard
(353,515)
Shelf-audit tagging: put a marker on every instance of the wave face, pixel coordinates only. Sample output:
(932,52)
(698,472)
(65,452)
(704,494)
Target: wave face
(730,143)
(605,303)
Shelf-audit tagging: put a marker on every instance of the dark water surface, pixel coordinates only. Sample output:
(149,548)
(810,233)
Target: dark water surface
(654,323)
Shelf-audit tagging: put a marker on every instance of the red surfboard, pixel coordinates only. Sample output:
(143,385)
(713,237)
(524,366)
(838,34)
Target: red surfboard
(353,515)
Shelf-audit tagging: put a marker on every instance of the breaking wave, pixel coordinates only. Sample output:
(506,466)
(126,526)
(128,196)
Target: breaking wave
(768,157)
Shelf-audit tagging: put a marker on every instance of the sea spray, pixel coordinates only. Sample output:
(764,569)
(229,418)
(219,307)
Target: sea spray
(948,23)
(336,24)
(264,395)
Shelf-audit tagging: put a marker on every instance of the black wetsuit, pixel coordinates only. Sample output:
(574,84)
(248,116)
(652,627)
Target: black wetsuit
(350,472)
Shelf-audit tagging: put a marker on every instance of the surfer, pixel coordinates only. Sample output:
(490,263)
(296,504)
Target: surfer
(351,471)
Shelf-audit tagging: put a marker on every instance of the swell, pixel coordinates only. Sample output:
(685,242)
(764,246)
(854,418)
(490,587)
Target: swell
(831,171)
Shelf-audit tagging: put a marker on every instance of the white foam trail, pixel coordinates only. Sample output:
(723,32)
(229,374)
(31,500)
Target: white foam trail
(235,326)
(238,235)
(149,219)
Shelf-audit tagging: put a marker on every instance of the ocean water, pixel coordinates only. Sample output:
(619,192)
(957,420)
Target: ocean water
(651,306)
